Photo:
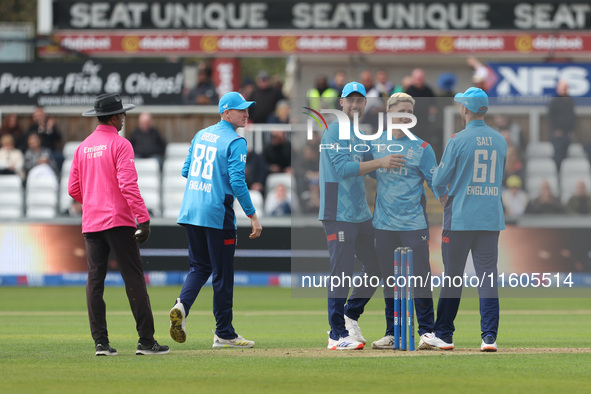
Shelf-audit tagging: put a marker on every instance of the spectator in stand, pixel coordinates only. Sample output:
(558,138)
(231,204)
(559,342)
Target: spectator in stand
(281,114)
(146,140)
(429,119)
(12,160)
(366,79)
(277,82)
(383,85)
(266,97)
(375,104)
(37,154)
(256,171)
(425,109)
(514,165)
(247,87)
(204,91)
(580,202)
(44,126)
(514,197)
(546,202)
(10,125)
(480,78)
(277,152)
(278,203)
(418,88)
(562,121)
(338,82)
(322,95)
(446,83)
(505,126)
(404,84)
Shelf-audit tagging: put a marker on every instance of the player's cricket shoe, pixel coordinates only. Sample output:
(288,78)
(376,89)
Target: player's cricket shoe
(346,343)
(150,349)
(423,345)
(177,322)
(439,343)
(104,350)
(489,344)
(354,331)
(386,342)
(236,342)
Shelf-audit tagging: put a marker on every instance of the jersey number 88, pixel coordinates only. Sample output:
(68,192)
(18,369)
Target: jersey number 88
(209,153)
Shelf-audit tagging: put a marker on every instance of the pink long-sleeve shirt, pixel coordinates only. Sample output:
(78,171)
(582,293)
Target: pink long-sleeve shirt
(103,178)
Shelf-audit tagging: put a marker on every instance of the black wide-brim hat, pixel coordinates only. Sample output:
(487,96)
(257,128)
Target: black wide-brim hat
(108,104)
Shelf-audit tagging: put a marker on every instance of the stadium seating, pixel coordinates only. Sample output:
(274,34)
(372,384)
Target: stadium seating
(172,167)
(568,185)
(177,150)
(575,166)
(41,198)
(149,186)
(572,170)
(274,179)
(539,150)
(69,148)
(147,167)
(541,166)
(576,150)
(11,196)
(64,198)
(173,189)
(257,202)
(534,182)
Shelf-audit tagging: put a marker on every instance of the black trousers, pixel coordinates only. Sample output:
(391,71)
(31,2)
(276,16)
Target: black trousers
(120,242)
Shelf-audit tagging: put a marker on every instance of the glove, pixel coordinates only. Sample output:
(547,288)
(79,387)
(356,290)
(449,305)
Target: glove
(143,232)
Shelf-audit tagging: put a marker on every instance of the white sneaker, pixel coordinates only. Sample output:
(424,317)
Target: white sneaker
(177,322)
(489,344)
(423,345)
(438,343)
(386,342)
(346,343)
(236,342)
(354,331)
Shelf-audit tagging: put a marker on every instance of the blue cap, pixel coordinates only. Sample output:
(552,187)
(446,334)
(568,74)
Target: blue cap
(473,99)
(353,87)
(233,100)
(446,81)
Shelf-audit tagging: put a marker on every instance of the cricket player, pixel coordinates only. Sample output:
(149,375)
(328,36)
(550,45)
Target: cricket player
(214,169)
(400,219)
(472,165)
(344,212)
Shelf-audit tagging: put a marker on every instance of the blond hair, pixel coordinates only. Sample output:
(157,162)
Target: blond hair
(399,98)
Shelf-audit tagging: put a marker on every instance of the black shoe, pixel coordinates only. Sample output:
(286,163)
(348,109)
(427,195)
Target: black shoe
(104,350)
(150,349)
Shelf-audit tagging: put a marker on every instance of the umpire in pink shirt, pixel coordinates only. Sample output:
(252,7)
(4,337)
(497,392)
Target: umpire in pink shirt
(103,178)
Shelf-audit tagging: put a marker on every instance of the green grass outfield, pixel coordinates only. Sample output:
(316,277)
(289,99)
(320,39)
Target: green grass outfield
(45,347)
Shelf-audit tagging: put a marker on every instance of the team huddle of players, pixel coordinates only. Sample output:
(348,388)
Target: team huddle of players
(464,182)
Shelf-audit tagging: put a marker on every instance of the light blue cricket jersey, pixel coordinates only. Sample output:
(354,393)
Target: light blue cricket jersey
(473,165)
(400,196)
(342,190)
(214,169)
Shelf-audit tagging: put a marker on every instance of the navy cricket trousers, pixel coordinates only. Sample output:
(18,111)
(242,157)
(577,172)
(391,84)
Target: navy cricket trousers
(386,243)
(211,253)
(455,247)
(345,242)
